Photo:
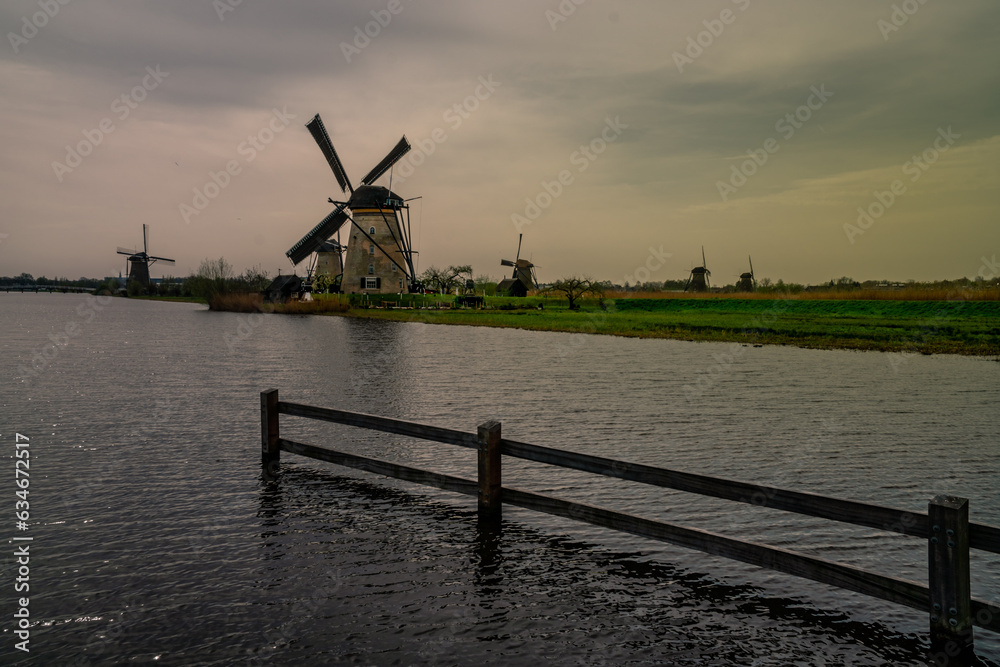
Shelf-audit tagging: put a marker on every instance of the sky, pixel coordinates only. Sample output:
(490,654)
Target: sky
(823,139)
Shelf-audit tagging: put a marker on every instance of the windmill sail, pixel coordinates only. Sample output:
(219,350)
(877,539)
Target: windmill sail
(318,131)
(312,241)
(398,151)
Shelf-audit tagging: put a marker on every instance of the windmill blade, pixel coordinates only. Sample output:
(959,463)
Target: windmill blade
(519,237)
(318,131)
(161,259)
(704,264)
(398,151)
(126,251)
(506,262)
(145,239)
(318,235)
(751,266)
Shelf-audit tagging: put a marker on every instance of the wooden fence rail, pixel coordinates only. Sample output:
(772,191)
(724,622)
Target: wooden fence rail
(946,527)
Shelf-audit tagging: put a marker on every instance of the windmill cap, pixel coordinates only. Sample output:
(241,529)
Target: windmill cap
(374,196)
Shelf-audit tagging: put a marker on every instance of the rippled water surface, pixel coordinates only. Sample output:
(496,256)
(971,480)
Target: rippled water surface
(154,537)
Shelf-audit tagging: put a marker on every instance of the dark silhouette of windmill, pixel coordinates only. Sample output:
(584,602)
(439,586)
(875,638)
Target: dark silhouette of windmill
(747,283)
(699,280)
(379,252)
(523,278)
(138,262)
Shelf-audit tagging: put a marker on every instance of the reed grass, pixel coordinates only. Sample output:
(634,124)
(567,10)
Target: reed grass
(237,302)
(864,294)
(324,303)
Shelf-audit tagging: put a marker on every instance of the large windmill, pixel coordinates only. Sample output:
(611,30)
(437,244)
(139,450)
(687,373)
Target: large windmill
(379,252)
(747,283)
(138,262)
(523,278)
(698,282)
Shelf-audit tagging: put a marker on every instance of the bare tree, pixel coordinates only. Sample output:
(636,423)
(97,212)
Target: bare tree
(575,287)
(444,280)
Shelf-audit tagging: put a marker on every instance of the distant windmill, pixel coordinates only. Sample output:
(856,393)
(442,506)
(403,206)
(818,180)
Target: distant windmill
(698,282)
(747,283)
(523,278)
(380,252)
(138,262)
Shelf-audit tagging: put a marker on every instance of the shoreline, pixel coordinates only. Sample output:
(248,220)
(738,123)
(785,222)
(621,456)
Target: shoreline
(967,328)
(823,333)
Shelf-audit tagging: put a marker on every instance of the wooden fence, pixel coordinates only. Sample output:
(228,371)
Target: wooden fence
(950,535)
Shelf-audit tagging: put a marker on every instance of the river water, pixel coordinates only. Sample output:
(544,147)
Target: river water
(154,537)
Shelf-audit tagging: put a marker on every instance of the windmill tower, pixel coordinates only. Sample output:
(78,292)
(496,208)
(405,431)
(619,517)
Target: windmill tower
(698,282)
(138,262)
(523,278)
(747,281)
(379,251)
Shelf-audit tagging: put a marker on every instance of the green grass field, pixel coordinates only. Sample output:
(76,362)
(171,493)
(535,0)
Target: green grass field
(953,327)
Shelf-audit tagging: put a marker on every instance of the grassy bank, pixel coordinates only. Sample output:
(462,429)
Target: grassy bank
(958,326)
(954,327)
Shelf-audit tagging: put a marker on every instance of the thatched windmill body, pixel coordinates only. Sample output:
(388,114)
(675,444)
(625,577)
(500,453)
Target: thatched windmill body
(138,262)
(699,280)
(523,278)
(379,256)
(747,283)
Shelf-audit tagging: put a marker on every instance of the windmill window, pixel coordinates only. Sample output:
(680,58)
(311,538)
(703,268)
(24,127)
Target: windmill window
(393,268)
(371,250)
(370,283)
(371,230)
(371,269)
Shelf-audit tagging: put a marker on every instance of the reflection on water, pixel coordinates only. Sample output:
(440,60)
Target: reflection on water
(157,539)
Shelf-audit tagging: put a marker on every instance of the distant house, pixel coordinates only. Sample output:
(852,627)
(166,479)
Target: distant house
(282,289)
(512,287)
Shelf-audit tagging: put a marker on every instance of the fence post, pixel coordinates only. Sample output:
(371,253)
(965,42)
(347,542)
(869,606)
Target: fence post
(948,575)
(490,501)
(270,453)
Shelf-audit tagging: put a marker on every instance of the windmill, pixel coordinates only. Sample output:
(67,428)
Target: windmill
(747,283)
(138,262)
(698,282)
(523,278)
(379,252)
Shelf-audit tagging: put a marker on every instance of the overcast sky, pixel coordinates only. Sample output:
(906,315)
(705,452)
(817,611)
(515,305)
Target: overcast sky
(117,113)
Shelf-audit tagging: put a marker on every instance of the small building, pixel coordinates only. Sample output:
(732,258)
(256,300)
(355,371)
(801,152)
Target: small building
(512,287)
(282,289)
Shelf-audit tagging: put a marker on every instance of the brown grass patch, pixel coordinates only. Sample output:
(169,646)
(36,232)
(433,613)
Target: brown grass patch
(237,303)
(318,305)
(904,294)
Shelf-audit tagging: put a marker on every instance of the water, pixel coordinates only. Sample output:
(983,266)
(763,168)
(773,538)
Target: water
(154,537)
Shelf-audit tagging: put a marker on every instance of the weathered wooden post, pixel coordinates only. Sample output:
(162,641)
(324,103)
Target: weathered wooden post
(490,502)
(948,575)
(270,453)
